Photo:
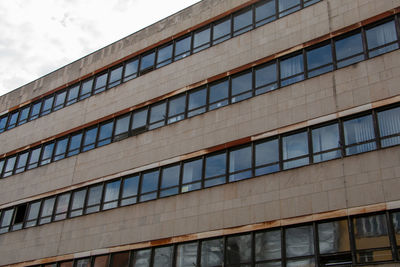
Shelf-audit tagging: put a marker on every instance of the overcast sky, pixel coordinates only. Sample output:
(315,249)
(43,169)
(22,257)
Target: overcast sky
(39,36)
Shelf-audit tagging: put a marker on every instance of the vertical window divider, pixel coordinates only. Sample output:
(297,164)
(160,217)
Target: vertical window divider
(191,43)
(174,254)
(180,177)
(224,254)
(316,242)
(376,130)
(103,192)
(167,101)
(253,248)
(364,42)
(139,191)
(253,159)
(69,208)
(229,90)
(303,52)
(207,97)
(113,129)
(397,25)
(352,240)
(85,200)
(280,152)
(203,172)
(278,72)
(392,239)
(231,25)
(53,215)
(96,141)
(131,257)
(310,146)
(334,59)
(121,188)
(227,163)
(152,257)
(160,174)
(283,246)
(253,81)
(108,79)
(130,122)
(198,262)
(173,50)
(341,138)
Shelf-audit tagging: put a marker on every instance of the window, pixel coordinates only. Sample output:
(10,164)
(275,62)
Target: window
(310,2)
(47,153)
(147,62)
(186,255)
(192,173)
(170,180)
(59,100)
(101,261)
(242,22)
(61,148)
(74,144)
(23,115)
(83,263)
(268,247)
(78,202)
(94,198)
(115,77)
(238,250)
(349,50)
(9,166)
(266,157)
(47,210)
(86,89)
(197,102)
(105,133)
(242,86)
(100,83)
(89,140)
(19,217)
(182,47)
(319,60)
(120,259)
(221,30)
(157,115)
(212,252)
(131,69)
(163,256)
(359,135)
(111,195)
(265,12)
(295,150)
(139,121)
(33,214)
(176,108)
(121,130)
(333,237)
(47,105)
(288,6)
(149,186)
(164,55)
(240,161)
(72,94)
(382,39)
(35,110)
(292,70)
(389,126)
(215,169)
(34,158)
(5,222)
(62,206)
(218,93)
(201,39)
(3,122)
(1,166)
(326,143)
(12,122)
(142,258)
(21,163)
(130,187)
(67,264)
(299,241)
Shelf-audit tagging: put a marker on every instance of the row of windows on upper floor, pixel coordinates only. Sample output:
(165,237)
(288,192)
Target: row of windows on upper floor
(327,56)
(335,139)
(240,22)
(371,238)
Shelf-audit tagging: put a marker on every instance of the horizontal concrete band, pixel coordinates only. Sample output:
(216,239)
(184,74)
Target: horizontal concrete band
(326,118)
(222,232)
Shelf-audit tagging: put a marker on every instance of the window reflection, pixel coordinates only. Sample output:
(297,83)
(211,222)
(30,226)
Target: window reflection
(192,173)
(215,169)
(139,121)
(242,86)
(186,255)
(242,22)
(147,62)
(122,127)
(170,180)
(389,126)
(212,252)
(326,143)
(72,94)
(164,55)
(78,200)
(266,78)
(288,6)
(130,190)
(89,140)
(115,77)
(111,195)
(240,163)
(382,39)
(176,108)
(349,50)
(292,70)
(131,69)
(201,40)
(163,256)
(268,245)
(21,163)
(157,115)
(219,93)
(93,199)
(221,31)
(299,241)
(359,135)
(100,83)
(265,12)
(319,60)
(238,249)
(182,47)
(86,89)
(197,102)
(295,150)
(149,185)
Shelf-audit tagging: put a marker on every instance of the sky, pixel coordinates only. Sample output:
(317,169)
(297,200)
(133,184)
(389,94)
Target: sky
(40,36)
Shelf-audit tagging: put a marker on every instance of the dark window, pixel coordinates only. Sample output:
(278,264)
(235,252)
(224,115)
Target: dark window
(149,185)
(242,22)
(115,77)
(120,259)
(164,55)
(131,69)
(299,241)
(9,166)
(215,169)
(74,144)
(62,206)
(157,115)
(1,166)
(35,110)
(139,121)
(3,123)
(201,39)
(105,133)
(359,135)
(182,47)
(142,258)
(12,122)
(221,30)
(288,6)
(382,39)
(19,217)
(163,256)
(292,70)
(121,130)
(295,150)
(333,237)
(89,140)
(240,163)
(265,12)
(47,210)
(23,115)
(186,255)
(47,105)
(197,102)
(389,126)
(94,198)
(33,214)
(101,261)
(266,157)
(21,163)
(170,180)
(176,108)
(73,92)
(61,148)
(319,60)
(326,143)
(59,100)
(212,252)
(6,217)
(219,93)
(86,89)
(130,187)
(47,153)
(34,158)
(192,173)
(100,83)
(242,86)
(78,202)
(147,62)
(349,50)
(111,195)
(268,246)
(238,249)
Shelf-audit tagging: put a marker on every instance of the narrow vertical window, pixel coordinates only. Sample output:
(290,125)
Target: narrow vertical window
(1,166)
(60,149)
(35,110)
(186,255)
(34,158)
(319,60)
(23,115)
(240,163)
(47,210)
(382,39)
(218,93)
(62,206)
(5,222)
(349,50)
(389,126)
(192,174)
(215,169)
(197,102)
(147,62)
(201,39)
(73,92)
(176,108)
(164,55)
(170,180)
(242,86)
(86,89)
(182,47)
(3,123)
(157,115)
(359,135)
(47,106)
(292,70)
(265,12)
(74,144)
(139,121)
(111,195)
(242,22)
(238,250)
(221,30)
(266,157)
(149,185)
(142,258)
(59,100)
(19,217)
(131,69)
(212,252)
(287,7)
(268,247)
(33,214)
(100,83)
(130,187)
(295,150)
(115,77)
(105,133)
(121,130)
(163,256)
(326,143)
(47,153)
(299,242)
(21,163)
(9,166)
(12,122)
(78,202)
(94,199)
(89,139)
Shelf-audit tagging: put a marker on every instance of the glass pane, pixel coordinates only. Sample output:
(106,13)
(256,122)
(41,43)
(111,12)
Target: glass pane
(35,110)
(288,6)
(215,165)
(9,166)
(319,60)
(333,237)
(176,109)
(1,166)
(47,153)
(3,122)
(267,153)
(139,119)
(326,138)
(396,226)
(86,89)
(240,85)
(72,94)
(163,256)
(221,31)
(105,133)
(170,176)
(131,69)
(201,40)
(23,115)
(242,22)
(293,146)
(74,144)
(130,186)
(239,160)
(122,124)
(90,139)
(192,171)
(238,249)
(371,232)
(266,78)
(265,12)
(111,194)
(380,36)
(147,61)
(68,264)
(348,48)
(359,130)
(292,70)
(182,47)
(268,245)
(377,255)
(197,99)
(115,77)
(94,198)
(212,252)
(219,93)
(83,263)
(164,55)
(78,200)
(186,255)
(61,148)
(157,112)
(101,82)
(142,258)
(301,263)
(299,241)
(13,120)
(47,105)
(47,210)
(270,264)
(7,217)
(60,100)
(33,212)
(62,206)
(149,182)
(389,124)
(22,159)
(101,261)
(34,158)
(120,259)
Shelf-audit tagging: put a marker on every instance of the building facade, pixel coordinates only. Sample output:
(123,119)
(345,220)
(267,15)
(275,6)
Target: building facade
(233,133)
